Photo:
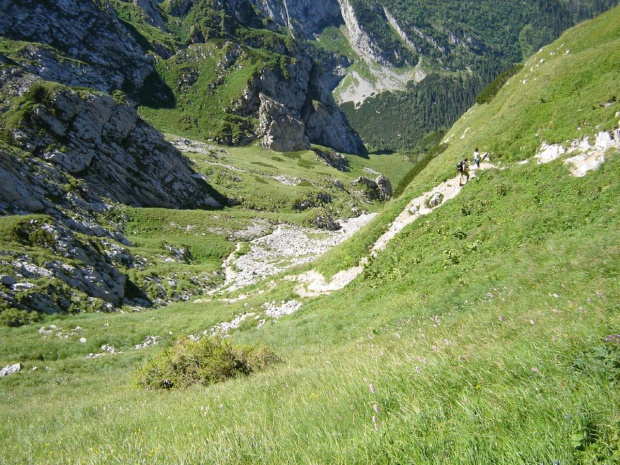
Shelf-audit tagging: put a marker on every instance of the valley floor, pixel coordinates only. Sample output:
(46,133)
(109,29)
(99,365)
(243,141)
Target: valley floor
(437,353)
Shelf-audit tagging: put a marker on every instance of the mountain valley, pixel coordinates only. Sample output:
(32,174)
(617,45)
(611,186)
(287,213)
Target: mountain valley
(233,232)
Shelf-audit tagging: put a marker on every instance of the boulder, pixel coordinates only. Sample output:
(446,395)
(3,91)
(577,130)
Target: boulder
(10,369)
(279,131)
(435,200)
(385,187)
(7,280)
(327,222)
(379,189)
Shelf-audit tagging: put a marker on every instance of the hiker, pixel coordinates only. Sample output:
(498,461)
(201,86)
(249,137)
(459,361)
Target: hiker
(463,170)
(477,158)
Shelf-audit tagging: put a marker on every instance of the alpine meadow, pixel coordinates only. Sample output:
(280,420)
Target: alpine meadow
(234,232)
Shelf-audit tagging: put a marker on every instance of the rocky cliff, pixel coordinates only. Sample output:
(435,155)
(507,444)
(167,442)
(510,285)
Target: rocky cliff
(75,43)
(105,145)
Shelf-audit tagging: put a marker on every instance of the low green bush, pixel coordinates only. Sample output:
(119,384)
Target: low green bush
(15,318)
(204,362)
(490,91)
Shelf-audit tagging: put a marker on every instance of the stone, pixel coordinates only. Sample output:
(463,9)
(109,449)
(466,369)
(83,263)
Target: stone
(435,200)
(337,183)
(378,189)
(278,129)
(7,280)
(11,369)
(327,222)
(384,186)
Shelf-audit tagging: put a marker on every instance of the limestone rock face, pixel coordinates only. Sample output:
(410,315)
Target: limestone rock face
(110,148)
(379,189)
(108,58)
(385,187)
(152,12)
(79,265)
(279,130)
(329,127)
(323,122)
(301,16)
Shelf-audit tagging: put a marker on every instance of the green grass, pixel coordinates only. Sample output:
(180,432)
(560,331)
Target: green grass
(470,362)
(477,336)
(252,180)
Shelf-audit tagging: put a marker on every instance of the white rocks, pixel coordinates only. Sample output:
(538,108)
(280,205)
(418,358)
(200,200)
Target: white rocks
(549,153)
(591,156)
(581,164)
(226,326)
(148,342)
(11,369)
(275,310)
(24,286)
(287,180)
(435,200)
(286,246)
(106,349)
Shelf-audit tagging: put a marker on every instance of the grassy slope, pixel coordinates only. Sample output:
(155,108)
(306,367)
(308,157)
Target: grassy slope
(480,329)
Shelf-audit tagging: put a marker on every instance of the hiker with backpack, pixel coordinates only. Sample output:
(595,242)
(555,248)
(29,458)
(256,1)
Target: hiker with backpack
(463,171)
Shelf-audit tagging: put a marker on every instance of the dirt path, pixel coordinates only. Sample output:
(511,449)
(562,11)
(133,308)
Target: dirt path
(312,283)
(291,245)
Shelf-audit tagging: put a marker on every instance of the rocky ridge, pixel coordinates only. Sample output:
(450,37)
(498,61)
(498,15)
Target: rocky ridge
(112,154)
(75,43)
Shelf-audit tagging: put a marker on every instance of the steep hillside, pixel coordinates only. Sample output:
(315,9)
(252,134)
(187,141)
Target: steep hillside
(420,57)
(485,331)
(429,59)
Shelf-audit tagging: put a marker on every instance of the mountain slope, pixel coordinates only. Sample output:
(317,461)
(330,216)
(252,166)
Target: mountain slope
(486,332)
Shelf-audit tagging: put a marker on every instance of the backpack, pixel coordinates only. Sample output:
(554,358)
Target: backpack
(459,166)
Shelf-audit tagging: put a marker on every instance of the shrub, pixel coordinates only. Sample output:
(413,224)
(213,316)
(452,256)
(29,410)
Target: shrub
(14,318)
(490,91)
(204,362)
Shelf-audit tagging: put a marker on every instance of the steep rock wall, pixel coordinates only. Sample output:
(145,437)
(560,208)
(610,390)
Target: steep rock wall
(109,58)
(107,146)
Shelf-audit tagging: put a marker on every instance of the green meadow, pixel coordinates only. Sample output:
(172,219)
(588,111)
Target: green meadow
(486,332)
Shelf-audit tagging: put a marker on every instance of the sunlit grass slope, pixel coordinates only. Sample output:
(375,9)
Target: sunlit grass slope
(483,334)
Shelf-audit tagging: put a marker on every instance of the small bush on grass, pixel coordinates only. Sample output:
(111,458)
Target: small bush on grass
(14,318)
(208,361)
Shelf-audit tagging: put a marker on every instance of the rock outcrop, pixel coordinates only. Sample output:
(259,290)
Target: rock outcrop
(102,54)
(153,13)
(379,189)
(108,147)
(279,131)
(323,122)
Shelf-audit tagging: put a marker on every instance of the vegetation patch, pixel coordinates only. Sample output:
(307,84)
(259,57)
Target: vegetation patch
(417,169)
(203,362)
(490,91)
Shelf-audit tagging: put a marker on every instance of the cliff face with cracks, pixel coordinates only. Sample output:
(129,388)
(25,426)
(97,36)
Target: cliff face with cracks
(76,43)
(109,148)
